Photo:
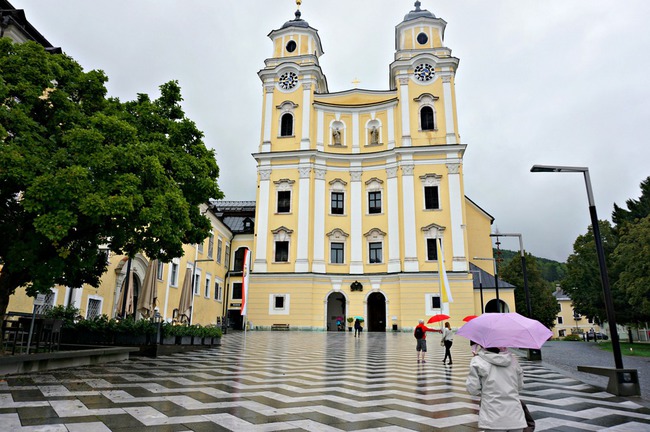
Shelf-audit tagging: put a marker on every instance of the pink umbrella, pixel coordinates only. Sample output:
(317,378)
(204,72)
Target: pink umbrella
(437,318)
(495,330)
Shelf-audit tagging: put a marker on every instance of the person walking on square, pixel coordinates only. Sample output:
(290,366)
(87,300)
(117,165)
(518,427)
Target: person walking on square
(357,327)
(420,334)
(447,340)
(496,376)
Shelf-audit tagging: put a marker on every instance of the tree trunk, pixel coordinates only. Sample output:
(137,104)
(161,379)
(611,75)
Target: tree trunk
(7,288)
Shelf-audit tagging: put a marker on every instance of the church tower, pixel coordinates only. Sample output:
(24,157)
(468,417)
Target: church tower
(359,190)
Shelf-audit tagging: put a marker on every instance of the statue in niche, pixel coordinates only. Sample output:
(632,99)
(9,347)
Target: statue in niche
(336,136)
(374,135)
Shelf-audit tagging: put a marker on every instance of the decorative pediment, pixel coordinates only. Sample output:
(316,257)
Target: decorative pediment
(374,180)
(431,179)
(282,229)
(426,98)
(338,181)
(375,233)
(337,233)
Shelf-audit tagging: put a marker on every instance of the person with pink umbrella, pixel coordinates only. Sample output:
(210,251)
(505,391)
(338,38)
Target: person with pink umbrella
(496,376)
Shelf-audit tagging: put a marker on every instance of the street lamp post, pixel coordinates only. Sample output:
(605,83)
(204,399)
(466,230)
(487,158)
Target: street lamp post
(496,279)
(604,279)
(529,307)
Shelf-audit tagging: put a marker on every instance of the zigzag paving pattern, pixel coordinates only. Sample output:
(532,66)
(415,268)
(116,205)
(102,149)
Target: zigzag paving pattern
(297,381)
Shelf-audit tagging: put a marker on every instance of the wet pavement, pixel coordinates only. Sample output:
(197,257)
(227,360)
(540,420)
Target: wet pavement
(301,381)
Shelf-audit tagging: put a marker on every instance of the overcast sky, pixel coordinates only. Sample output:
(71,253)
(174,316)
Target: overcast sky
(540,82)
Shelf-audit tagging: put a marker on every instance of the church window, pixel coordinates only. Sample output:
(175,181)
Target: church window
(426,118)
(337,203)
(286,125)
(432,249)
(291,46)
(281,251)
(431,199)
(431,191)
(422,38)
(375,238)
(435,301)
(281,244)
(374,202)
(337,253)
(284,201)
(374,252)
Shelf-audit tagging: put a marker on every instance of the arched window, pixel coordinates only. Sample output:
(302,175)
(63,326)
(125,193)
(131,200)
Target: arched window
(426,118)
(286,125)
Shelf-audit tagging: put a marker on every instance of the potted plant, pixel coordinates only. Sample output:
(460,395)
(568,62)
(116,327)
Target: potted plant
(349,320)
(167,336)
(135,332)
(212,334)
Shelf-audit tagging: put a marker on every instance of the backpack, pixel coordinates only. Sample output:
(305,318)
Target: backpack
(418,333)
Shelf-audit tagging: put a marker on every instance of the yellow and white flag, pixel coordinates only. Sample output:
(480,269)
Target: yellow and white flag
(445,289)
(245,278)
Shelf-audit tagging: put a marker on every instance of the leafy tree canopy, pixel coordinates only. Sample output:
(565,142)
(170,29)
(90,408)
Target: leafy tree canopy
(632,261)
(543,304)
(79,170)
(552,271)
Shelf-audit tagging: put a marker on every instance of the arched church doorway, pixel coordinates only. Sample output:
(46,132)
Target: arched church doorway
(336,312)
(492,306)
(376,312)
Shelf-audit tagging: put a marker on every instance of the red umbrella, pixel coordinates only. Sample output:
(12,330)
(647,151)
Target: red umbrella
(437,318)
(468,318)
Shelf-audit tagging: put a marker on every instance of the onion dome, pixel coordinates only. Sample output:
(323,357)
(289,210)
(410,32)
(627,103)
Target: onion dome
(417,13)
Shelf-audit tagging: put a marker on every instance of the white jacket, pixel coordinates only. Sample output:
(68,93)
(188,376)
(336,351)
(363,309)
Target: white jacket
(497,379)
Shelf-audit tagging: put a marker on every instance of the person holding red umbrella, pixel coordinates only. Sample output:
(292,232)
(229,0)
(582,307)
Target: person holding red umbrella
(420,334)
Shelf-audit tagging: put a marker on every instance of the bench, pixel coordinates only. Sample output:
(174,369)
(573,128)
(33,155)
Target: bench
(622,382)
(280,327)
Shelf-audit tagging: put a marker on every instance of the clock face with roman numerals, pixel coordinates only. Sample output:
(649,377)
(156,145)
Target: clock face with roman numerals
(288,80)
(423,72)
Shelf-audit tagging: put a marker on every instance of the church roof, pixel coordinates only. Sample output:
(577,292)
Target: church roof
(297,22)
(418,13)
(486,279)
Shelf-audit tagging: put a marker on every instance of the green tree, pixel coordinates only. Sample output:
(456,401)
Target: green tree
(544,306)
(632,261)
(79,170)
(636,209)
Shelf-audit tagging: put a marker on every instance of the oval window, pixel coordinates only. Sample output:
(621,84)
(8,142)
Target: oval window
(423,38)
(291,46)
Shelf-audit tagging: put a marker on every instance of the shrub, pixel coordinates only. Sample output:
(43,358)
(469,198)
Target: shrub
(573,337)
(69,314)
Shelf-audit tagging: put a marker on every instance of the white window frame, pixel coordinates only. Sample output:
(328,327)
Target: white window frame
(337,235)
(287,107)
(427,99)
(96,298)
(197,281)
(218,290)
(432,231)
(374,185)
(219,249)
(207,286)
(430,180)
(282,234)
(339,186)
(174,275)
(286,310)
(211,245)
(160,270)
(283,185)
(375,235)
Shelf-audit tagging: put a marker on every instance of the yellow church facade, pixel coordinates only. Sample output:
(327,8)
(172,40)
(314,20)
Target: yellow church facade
(355,189)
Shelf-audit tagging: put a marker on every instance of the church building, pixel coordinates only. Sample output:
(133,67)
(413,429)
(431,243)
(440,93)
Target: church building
(360,192)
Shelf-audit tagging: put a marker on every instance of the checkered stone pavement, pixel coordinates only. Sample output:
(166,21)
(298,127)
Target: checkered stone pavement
(297,381)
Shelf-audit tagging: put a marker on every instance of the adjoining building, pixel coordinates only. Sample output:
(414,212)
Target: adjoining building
(361,201)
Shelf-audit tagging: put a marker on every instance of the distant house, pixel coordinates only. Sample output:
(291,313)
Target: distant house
(568,321)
